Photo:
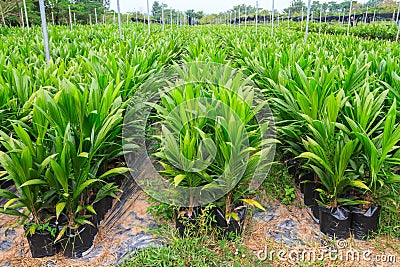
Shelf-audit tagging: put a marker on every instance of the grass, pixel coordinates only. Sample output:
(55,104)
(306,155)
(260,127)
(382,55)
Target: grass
(273,188)
(201,250)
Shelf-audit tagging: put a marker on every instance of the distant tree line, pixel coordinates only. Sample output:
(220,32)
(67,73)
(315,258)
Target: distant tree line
(12,11)
(83,11)
(332,9)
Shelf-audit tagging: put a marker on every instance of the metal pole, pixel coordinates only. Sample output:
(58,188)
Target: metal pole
(302,18)
(320,20)
(137,22)
(272,17)
(230,18)
(394,17)
(44,29)
(52,17)
(366,16)
(170,12)
(74,19)
(398,14)
(119,20)
(398,32)
(288,21)
(95,15)
(114,21)
(373,18)
(148,16)
(70,17)
(256,16)
(22,16)
(239,17)
(26,16)
(245,16)
(308,20)
(162,17)
(348,24)
(90,19)
(277,19)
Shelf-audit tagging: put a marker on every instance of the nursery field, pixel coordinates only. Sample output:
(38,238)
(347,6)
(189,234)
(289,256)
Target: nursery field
(230,133)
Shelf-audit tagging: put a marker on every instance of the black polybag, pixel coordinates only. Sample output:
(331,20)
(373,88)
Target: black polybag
(335,222)
(364,223)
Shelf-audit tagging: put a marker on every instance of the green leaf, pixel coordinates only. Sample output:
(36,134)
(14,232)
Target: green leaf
(60,234)
(114,172)
(84,155)
(59,208)
(254,203)
(359,184)
(34,182)
(393,179)
(83,186)
(232,215)
(178,179)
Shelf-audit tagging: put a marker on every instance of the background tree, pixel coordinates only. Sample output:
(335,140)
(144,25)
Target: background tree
(156,10)
(296,6)
(11,12)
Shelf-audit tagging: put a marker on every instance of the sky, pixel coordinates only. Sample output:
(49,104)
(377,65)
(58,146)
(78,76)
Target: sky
(208,6)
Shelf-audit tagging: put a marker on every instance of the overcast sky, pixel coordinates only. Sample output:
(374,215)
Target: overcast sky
(208,6)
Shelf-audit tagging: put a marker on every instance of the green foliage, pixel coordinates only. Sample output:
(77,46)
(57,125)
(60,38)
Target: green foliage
(31,228)
(289,195)
(331,97)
